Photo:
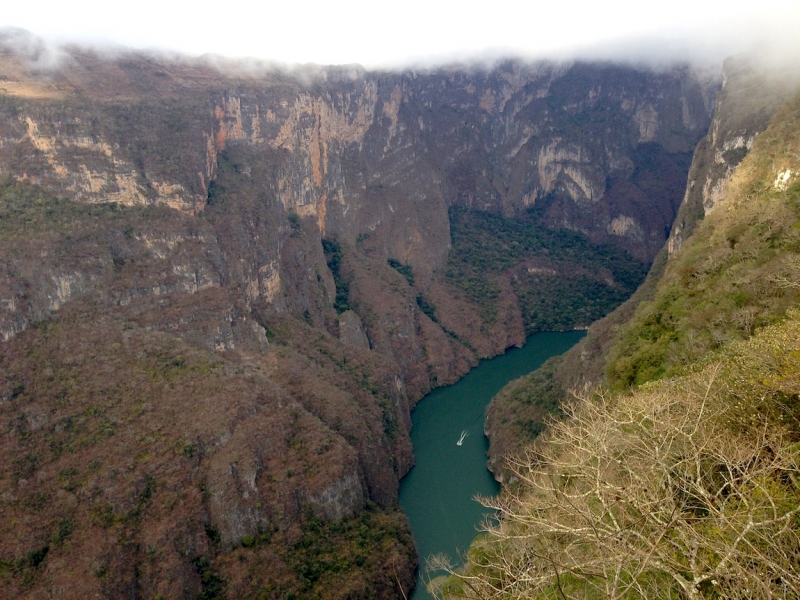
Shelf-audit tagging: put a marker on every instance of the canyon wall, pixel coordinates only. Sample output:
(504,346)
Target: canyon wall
(752,90)
(223,288)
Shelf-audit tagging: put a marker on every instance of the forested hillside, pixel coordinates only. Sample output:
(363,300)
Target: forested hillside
(679,478)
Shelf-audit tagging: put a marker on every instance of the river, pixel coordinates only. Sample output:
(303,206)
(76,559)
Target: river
(437,495)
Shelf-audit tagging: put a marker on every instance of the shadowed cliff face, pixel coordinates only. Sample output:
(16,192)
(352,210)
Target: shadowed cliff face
(596,149)
(360,151)
(752,92)
(180,286)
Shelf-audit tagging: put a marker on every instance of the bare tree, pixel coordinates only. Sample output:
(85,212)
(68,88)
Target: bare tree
(674,491)
(790,275)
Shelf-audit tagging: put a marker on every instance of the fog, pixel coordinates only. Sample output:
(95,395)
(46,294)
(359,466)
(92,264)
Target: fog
(251,38)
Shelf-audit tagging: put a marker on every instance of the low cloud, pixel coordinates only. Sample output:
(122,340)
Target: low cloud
(423,32)
(39,53)
(297,43)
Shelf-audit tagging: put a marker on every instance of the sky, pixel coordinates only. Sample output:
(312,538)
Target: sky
(391,33)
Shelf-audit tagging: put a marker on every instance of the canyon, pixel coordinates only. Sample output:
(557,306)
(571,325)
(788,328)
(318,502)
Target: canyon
(225,285)
(656,423)
(751,93)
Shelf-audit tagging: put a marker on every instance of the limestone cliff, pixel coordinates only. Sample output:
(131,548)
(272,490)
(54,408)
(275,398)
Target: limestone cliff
(751,93)
(164,268)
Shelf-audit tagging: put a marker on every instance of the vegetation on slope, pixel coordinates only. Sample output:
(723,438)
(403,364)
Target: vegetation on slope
(405,270)
(111,438)
(29,213)
(333,256)
(740,271)
(576,283)
(748,99)
(517,415)
(357,557)
(687,486)
(111,455)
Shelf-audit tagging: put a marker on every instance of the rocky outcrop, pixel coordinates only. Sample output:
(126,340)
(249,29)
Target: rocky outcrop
(362,154)
(752,90)
(357,151)
(351,330)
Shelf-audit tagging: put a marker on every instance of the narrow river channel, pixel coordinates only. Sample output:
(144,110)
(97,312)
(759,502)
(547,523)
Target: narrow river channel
(437,495)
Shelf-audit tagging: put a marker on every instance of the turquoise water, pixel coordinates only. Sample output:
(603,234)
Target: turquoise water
(437,495)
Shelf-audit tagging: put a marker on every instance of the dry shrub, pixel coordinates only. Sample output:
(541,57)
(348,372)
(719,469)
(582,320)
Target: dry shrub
(687,488)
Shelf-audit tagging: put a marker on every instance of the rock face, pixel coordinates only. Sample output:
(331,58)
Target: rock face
(351,330)
(751,93)
(242,361)
(595,149)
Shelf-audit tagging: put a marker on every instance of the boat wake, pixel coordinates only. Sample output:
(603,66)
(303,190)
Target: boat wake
(464,434)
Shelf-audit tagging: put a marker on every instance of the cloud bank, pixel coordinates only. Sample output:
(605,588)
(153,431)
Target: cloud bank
(422,32)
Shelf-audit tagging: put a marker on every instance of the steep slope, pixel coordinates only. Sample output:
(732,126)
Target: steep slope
(516,415)
(236,280)
(751,93)
(138,462)
(685,486)
(378,157)
(737,274)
